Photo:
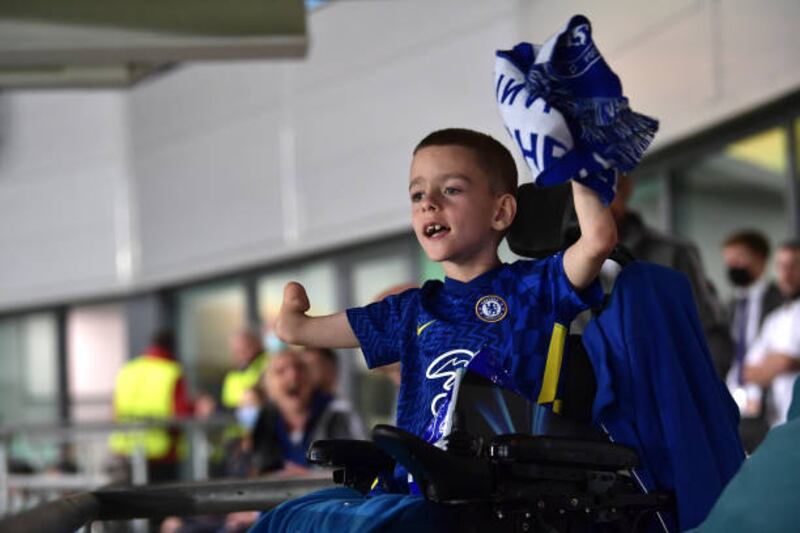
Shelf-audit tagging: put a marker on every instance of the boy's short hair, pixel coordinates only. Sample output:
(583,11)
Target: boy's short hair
(753,240)
(491,154)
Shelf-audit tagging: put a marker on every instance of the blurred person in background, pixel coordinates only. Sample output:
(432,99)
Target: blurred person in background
(239,458)
(152,387)
(745,254)
(278,434)
(295,416)
(249,361)
(323,367)
(774,358)
(649,244)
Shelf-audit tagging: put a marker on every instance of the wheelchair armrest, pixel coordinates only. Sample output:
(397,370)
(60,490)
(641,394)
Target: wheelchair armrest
(348,453)
(440,475)
(593,455)
(356,462)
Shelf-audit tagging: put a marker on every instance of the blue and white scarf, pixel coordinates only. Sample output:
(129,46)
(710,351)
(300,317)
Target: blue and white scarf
(563,106)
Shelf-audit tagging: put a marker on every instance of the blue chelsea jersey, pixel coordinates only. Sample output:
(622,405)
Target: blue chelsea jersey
(437,329)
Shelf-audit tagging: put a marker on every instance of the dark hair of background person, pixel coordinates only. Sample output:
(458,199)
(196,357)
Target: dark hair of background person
(328,355)
(492,156)
(164,338)
(753,240)
(791,244)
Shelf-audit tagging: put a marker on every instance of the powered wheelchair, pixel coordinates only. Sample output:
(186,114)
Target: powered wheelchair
(508,464)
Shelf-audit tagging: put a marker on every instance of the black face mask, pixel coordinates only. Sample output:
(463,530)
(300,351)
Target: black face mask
(740,277)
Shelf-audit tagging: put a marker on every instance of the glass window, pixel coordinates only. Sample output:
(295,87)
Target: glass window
(648,199)
(28,359)
(319,279)
(373,276)
(741,186)
(97,340)
(209,315)
(429,269)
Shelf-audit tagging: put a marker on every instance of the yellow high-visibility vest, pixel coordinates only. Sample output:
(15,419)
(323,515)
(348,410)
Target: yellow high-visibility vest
(145,390)
(238,381)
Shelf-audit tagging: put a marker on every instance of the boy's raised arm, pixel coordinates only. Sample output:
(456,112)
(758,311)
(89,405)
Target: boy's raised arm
(582,260)
(295,327)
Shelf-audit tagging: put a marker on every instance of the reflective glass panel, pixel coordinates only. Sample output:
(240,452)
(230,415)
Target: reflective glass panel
(742,186)
(209,315)
(97,341)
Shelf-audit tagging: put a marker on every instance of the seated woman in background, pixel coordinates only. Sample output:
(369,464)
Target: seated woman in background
(280,419)
(295,415)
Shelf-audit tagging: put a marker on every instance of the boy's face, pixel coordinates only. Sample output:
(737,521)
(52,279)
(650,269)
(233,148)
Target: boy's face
(453,209)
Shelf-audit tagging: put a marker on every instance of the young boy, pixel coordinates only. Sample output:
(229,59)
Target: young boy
(462,189)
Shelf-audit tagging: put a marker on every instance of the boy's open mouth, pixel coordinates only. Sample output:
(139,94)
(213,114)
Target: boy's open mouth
(435,230)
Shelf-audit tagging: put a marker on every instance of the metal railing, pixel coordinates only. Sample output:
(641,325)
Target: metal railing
(82,436)
(71,513)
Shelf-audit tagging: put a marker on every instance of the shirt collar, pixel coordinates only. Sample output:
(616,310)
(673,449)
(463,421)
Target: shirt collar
(752,291)
(454,286)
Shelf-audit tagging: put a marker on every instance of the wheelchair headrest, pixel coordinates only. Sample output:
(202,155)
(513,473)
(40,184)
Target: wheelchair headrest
(546,222)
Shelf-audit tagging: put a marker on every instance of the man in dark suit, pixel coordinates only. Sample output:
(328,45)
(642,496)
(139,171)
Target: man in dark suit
(649,244)
(746,253)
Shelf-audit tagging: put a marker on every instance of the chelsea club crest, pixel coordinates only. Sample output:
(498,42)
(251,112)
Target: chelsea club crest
(491,308)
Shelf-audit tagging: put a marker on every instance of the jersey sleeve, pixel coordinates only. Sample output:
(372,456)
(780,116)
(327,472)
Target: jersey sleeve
(382,327)
(547,279)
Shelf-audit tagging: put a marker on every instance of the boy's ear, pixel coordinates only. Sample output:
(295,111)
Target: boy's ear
(505,211)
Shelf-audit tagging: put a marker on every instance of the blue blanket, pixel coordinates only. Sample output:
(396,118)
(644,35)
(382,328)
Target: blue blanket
(658,391)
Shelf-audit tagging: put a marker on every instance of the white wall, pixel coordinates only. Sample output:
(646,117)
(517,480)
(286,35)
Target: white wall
(691,63)
(220,165)
(62,163)
(247,162)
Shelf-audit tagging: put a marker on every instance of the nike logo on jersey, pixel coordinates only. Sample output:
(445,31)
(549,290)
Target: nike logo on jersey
(421,328)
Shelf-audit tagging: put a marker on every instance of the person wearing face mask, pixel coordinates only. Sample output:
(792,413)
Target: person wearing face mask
(745,254)
(250,360)
(247,412)
(239,455)
(773,359)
